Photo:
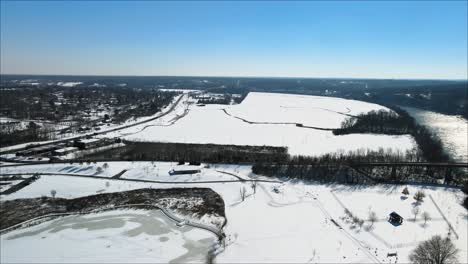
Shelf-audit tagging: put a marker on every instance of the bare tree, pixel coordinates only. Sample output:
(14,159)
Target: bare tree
(105,166)
(53,193)
(419,196)
(107,184)
(436,250)
(372,218)
(254,186)
(426,216)
(415,212)
(99,170)
(243,192)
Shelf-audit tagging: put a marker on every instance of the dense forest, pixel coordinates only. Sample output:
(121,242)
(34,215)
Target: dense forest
(449,99)
(444,96)
(341,167)
(149,151)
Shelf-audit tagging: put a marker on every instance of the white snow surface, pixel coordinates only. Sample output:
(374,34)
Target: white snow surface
(119,236)
(316,111)
(210,124)
(293,224)
(68,84)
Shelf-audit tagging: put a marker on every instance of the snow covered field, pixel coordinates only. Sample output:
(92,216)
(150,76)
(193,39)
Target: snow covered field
(218,124)
(316,111)
(289,221)
(129,236)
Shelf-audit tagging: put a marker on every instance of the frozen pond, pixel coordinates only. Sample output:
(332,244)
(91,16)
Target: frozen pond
(452,130)
(108,237)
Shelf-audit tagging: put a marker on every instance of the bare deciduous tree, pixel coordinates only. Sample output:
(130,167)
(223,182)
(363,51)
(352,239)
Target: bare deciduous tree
(372,218)
(254,186)
(436,250)
(426,216)
(415,212)
(243,192)
(53,193)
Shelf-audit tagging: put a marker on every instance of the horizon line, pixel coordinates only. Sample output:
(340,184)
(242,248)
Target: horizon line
(239,76)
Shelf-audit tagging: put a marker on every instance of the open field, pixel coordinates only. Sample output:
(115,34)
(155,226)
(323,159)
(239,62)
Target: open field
(286,221)
(268,119)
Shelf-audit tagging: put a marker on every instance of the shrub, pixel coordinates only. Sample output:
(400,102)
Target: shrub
(405,191)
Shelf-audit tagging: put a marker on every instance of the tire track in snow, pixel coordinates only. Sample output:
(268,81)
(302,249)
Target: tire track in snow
(346,233)
(327,215)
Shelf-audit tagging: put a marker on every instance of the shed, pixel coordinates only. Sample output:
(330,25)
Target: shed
(395,218)
(179,172)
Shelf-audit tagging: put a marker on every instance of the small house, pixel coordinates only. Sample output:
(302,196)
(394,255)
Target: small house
(395,218)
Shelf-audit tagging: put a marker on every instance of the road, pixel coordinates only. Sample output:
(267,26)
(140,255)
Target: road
(126,179)
(13,149)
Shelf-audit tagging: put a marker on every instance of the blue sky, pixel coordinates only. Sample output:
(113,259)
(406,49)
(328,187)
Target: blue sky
(282,39)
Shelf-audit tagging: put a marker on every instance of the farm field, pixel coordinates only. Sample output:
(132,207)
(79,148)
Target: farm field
(286,220)
(268,119)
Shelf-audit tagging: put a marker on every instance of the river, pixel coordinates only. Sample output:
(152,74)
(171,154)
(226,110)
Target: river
(452,130)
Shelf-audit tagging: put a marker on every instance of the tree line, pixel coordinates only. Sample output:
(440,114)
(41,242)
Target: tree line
(184,152)
(396,122)
(338,167)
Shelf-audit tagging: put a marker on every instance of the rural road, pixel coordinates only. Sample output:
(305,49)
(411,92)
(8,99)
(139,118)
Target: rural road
(125,179)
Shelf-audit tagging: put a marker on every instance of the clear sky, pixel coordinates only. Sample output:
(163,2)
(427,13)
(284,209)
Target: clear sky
(283,39)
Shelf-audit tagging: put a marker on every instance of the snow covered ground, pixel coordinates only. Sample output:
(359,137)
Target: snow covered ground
(155,171)
(289,221)
(129,236)
(316,111)
(218,124)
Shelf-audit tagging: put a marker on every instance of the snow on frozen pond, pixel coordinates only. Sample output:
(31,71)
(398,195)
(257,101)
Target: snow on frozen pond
(108,237)
(211,124)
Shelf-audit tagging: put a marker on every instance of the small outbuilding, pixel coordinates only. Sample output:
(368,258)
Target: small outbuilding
(395,218)
(179,172)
